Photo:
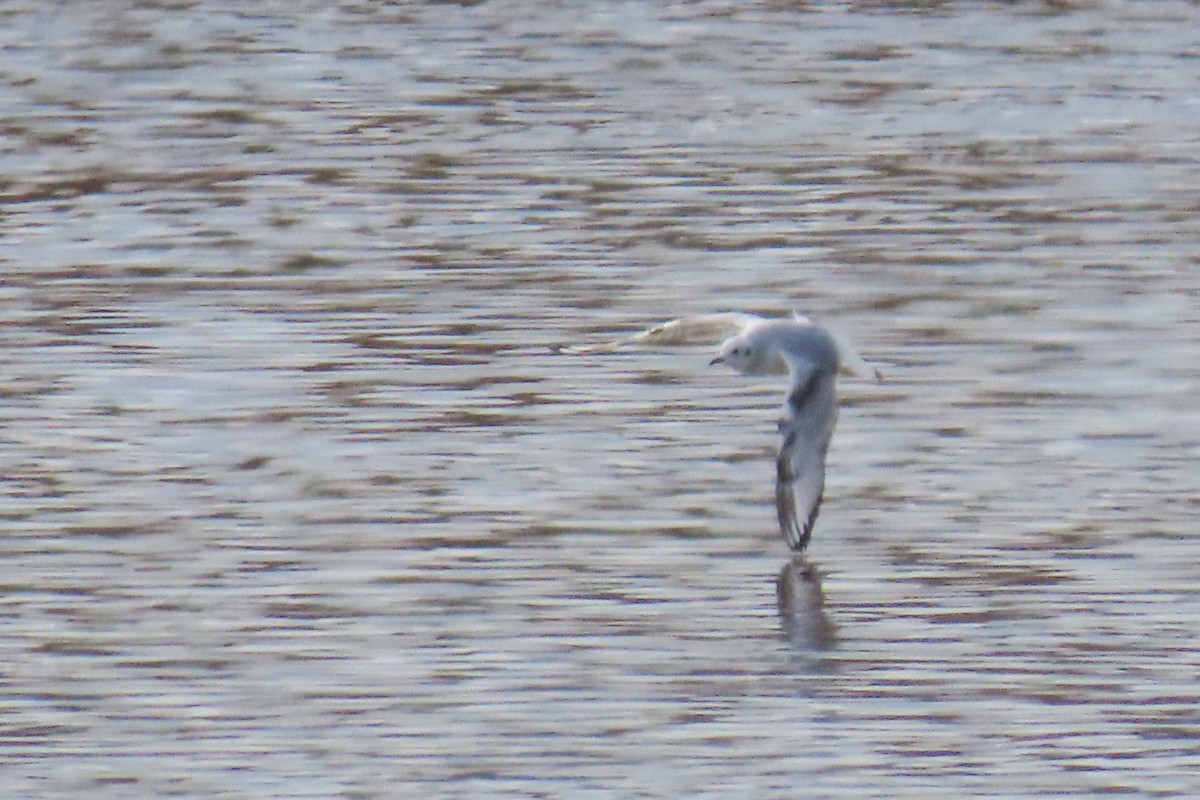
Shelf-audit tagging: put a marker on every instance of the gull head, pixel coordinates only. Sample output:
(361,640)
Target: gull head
(740,354)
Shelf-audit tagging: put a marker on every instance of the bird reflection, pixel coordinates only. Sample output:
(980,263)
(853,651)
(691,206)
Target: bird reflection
(802,606)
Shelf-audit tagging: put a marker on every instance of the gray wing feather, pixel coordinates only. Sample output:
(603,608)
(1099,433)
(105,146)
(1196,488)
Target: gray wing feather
(702,329)
(810,414)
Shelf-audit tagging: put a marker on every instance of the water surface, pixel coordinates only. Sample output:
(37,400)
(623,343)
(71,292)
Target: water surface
(299,502)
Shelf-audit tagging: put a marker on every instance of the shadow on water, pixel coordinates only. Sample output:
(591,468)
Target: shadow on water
(801,601)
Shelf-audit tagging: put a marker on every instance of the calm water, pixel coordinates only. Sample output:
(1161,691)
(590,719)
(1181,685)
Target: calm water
(299,502)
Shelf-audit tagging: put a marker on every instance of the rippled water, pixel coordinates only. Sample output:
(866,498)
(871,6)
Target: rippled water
(299,502)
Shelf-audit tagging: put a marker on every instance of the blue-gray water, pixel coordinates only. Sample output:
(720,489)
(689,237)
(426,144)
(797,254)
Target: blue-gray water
(298,502)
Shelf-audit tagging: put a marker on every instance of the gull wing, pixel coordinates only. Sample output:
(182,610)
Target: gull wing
(809,416)
(701,329)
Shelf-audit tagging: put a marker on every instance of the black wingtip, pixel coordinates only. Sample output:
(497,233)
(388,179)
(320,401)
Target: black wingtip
(794,533)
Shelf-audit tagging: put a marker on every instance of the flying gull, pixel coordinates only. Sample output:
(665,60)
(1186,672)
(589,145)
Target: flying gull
(811,356)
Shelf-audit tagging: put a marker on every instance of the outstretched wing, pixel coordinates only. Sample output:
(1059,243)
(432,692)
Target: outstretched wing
(701,329)
(809,415)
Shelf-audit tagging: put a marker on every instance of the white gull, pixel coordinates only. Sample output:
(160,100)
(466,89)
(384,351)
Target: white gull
(811,356)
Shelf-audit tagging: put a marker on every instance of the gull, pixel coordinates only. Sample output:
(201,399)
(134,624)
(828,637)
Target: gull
(811,356)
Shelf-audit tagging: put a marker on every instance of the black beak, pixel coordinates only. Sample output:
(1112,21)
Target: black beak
(717,360)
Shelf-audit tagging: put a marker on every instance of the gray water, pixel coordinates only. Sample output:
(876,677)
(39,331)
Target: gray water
(299,502)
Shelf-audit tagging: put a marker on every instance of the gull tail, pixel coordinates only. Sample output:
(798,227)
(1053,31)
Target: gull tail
(851,361)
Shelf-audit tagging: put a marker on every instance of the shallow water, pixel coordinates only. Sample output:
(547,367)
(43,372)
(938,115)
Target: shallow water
(299,502)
